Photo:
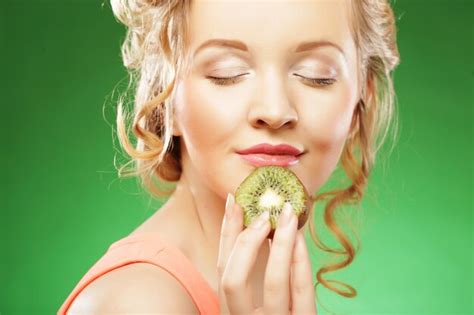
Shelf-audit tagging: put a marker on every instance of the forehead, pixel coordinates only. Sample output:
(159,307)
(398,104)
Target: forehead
(266,26)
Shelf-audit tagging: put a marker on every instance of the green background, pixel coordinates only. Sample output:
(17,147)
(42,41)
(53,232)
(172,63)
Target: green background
(62,204)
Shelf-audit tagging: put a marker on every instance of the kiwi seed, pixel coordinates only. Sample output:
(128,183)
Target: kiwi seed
(269,188)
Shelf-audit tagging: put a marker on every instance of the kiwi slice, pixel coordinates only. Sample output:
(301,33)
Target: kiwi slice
(269,188)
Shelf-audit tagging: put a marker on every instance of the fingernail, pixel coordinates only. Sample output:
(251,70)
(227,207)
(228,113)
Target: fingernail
(260,221)
(229,205)
(285,215)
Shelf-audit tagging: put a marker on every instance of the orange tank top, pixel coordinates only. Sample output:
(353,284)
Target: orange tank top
(149,248)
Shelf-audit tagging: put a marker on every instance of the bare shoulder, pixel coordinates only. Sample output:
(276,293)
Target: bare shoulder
(134,288)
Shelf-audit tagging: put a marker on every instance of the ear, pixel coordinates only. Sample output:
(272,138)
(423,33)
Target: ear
(176,121)
(177,104)
(354,127)
(366,90)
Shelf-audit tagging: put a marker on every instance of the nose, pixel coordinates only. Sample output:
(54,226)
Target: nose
(272,107)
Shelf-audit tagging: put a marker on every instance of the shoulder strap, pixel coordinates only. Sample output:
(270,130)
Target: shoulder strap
(151,249)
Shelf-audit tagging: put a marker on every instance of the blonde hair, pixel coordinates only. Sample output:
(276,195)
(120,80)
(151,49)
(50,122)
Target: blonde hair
(153,52)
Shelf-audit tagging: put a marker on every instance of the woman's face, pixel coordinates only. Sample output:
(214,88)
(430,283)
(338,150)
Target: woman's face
(270,101)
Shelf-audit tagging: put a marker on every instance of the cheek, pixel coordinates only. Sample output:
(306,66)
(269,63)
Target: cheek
(328,116)
(208,119)
(209,122)
(326,121)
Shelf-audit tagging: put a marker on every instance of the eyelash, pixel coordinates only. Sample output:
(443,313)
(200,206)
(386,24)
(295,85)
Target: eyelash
(231,80)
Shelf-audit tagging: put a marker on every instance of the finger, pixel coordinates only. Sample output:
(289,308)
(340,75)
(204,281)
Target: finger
(302,290)
(230,229)
(240,263)
(277,275)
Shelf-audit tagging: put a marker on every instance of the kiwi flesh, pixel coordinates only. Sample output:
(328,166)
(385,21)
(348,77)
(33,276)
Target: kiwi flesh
(269,188)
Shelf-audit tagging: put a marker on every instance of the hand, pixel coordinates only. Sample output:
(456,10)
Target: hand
(238,250)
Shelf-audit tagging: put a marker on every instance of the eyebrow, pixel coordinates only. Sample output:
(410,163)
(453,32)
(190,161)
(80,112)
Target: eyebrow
(236,44)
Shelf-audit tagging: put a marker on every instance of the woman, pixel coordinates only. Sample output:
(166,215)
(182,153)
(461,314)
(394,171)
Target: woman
(217,77)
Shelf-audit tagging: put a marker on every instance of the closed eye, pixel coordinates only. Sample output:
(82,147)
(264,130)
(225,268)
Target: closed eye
(234,79)
(318,81)
(225,80)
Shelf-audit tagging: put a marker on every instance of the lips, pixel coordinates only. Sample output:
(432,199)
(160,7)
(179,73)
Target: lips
(268,159)
(265,148)
(266,154)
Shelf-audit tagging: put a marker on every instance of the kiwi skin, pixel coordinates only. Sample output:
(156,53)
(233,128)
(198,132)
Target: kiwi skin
(286,180)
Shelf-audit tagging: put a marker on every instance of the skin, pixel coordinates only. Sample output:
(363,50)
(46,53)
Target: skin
(270,103)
